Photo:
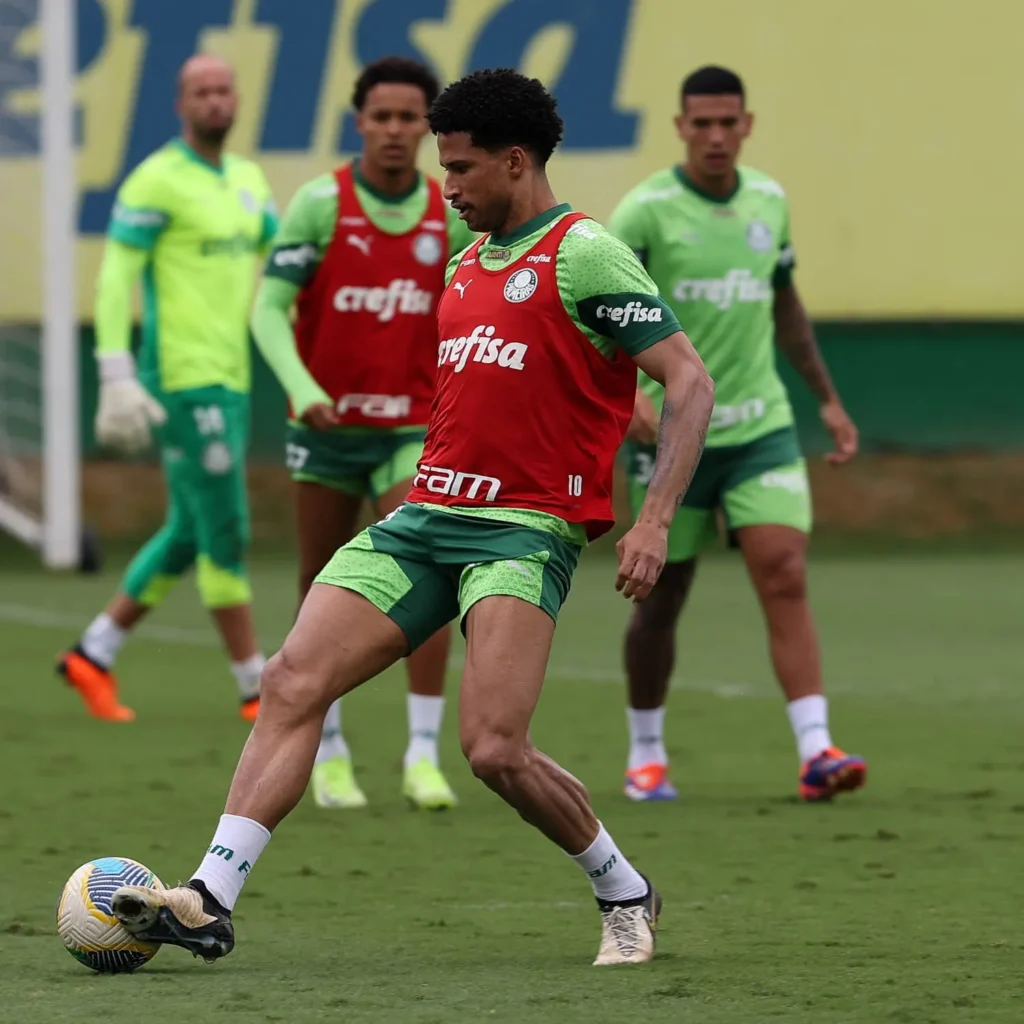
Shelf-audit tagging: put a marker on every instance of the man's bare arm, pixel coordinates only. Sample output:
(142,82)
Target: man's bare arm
(794,334)
(689,398)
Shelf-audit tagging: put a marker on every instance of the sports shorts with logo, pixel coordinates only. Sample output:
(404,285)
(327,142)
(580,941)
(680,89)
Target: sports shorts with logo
(423,567)
(762,482)
(203,447)
(360,461)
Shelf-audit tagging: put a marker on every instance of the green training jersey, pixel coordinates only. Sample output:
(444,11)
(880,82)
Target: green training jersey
(204,229)
(609,297)
(309,223)
(717,263)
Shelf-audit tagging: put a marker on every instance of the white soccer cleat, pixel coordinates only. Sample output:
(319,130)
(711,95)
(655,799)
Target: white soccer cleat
(628,930)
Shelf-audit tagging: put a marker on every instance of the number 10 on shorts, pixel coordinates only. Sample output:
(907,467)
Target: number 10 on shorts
(575,485)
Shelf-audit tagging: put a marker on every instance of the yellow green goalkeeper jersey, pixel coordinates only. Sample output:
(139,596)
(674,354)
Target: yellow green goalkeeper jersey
(203,230)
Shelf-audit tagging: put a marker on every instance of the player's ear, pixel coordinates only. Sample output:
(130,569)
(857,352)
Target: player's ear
(680,121)
(360,122)
(748,119)
(517,161)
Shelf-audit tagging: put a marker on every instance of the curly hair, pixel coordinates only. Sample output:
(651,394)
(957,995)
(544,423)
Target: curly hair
(499,107)
(391,71)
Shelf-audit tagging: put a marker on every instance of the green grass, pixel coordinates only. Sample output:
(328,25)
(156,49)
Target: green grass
(900,904)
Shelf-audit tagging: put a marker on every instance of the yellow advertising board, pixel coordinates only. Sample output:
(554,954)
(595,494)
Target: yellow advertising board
(893,126)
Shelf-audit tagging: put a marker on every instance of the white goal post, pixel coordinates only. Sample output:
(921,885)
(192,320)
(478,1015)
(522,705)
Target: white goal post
(52,522)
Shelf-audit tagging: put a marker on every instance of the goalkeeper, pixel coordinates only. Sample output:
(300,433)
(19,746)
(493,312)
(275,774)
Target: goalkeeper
(193,221)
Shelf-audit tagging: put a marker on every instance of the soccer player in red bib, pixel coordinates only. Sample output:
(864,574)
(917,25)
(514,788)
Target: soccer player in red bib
(542,327)
(361,254)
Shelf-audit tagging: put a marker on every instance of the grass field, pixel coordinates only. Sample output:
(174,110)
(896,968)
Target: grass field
(900,904)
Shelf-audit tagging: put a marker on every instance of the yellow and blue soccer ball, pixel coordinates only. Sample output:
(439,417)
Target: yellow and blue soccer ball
(86,925)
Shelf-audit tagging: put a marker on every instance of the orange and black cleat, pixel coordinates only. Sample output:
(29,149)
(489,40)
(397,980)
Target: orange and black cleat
(95,685)
(831,772)
(250,709)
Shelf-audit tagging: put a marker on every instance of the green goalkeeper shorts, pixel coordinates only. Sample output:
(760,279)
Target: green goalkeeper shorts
(362,462)
(763,482)
(423,567)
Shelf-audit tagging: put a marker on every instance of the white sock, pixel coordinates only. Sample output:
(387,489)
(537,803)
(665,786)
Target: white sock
(646,745)
(236,845)
(102,640)
(809,718)
(332,743)
(424,726)
(611,875)
(247,674)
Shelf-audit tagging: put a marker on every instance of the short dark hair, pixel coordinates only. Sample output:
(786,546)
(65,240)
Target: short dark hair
(394,71)
(499,107)
(712,80)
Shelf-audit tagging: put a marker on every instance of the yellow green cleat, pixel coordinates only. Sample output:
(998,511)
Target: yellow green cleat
(426,788)
(335,786)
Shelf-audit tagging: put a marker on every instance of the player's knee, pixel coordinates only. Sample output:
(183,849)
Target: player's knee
(783,575)
(494,758)
(288,692)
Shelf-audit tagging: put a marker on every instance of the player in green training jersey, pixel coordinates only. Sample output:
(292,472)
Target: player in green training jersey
(377,222)
(715,238)
(192,221)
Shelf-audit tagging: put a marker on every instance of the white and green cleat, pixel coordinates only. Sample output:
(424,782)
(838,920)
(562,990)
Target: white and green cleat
(335,786)
(426,788)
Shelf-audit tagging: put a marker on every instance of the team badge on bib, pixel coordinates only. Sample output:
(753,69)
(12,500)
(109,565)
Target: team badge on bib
(427,249)
(248,201)
(759,236)
(521,285)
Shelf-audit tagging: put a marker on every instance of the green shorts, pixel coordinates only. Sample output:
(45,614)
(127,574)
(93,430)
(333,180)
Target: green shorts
(362,462)
(763,482)
(423,567)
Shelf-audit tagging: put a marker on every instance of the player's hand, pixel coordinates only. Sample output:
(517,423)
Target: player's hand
(643,427)
(642,554)
(843,431)
(320,416)
(127,412)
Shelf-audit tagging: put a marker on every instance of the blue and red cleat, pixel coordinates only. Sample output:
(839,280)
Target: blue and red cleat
(650,782)
(831,772)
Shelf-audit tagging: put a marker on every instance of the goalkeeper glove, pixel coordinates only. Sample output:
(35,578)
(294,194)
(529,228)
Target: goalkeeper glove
(127,411)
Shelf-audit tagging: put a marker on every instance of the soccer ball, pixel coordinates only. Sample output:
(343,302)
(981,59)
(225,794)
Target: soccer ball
(86,925)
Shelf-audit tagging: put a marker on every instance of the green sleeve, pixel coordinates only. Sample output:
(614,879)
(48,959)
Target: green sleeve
(305,232)
(460,238)
(119,271)
(786,264)
(630,223)
(272,330)
(142,209)
(608,293)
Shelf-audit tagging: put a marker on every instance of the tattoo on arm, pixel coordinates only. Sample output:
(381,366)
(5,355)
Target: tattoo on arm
(666,453)
(795,336)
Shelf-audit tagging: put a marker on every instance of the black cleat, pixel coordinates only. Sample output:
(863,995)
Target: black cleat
(186,916)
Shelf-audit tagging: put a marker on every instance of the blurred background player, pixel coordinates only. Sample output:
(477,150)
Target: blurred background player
(714,236)
(192,220)
(362,252)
